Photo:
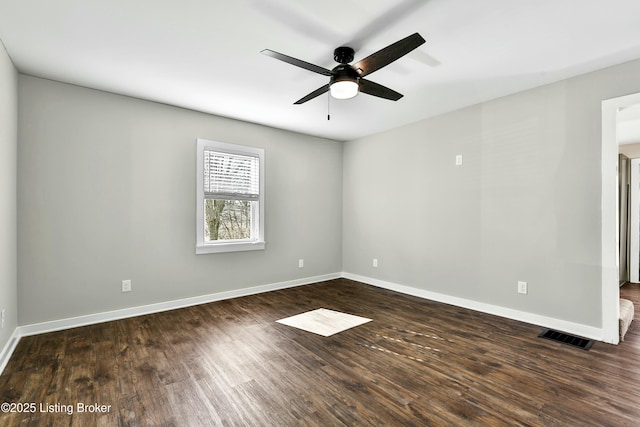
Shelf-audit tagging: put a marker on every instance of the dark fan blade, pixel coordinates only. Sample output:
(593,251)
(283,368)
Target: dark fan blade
(313,94)
(375,89)
(297,62)
(386,56)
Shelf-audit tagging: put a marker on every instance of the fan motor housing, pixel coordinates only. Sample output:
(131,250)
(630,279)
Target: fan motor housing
(344,72)
(343,54)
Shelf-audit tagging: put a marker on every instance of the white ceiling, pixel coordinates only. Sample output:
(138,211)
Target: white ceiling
(205,54)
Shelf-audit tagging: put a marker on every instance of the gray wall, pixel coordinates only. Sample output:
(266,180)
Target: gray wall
(8,164)
(106,191)
(525,204)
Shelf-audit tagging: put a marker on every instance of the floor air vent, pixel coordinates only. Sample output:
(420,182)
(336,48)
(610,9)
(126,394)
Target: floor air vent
(563,338)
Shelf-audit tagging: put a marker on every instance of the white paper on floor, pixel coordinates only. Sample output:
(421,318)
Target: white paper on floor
(323,321)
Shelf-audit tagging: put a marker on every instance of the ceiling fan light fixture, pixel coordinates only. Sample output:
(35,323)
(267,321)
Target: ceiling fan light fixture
(344,82)
(344,89)
(347,80)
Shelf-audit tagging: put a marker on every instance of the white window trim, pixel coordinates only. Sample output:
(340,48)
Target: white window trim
(226,246)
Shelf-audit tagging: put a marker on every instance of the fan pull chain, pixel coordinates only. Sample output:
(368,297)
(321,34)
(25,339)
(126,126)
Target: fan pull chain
(328,106)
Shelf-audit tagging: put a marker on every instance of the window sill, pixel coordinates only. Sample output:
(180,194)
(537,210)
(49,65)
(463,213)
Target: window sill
(229,247)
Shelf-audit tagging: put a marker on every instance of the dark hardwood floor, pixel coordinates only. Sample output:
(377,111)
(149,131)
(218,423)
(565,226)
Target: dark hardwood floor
(229,363)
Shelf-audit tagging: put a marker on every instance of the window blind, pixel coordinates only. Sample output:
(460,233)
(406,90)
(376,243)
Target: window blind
(231,176)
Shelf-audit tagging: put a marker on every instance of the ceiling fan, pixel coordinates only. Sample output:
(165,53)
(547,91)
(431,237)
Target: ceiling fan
(347,80)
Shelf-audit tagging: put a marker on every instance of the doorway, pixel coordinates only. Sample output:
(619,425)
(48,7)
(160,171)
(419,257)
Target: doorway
(628,136)
(610,227)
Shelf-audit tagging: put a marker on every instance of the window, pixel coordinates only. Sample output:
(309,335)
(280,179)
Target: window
(230,198)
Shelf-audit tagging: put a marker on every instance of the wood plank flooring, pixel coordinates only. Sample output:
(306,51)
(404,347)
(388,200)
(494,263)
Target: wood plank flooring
(229,363)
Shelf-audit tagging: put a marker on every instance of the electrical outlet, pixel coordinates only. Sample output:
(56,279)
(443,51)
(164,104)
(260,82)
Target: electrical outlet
(126,286)
(300,263)
(459,160)
(522,287)
(375,262)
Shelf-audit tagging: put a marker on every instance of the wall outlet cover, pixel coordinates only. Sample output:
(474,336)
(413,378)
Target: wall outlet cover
(522,287)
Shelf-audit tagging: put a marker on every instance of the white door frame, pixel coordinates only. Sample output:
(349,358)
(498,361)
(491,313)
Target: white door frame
(634,222)
(609,203)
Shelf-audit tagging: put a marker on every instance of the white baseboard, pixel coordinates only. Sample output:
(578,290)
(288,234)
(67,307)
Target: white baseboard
(8,349)
(584,331)
(90,319)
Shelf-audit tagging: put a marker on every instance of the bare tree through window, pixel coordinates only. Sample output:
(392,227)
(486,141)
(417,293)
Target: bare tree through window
(227,219)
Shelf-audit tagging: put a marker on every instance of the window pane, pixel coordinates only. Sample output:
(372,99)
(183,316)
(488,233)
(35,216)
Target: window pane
(228,219)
